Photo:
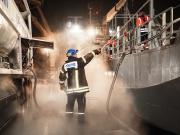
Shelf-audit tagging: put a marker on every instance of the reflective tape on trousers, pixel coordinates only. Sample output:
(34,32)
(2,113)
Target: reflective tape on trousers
(69,112)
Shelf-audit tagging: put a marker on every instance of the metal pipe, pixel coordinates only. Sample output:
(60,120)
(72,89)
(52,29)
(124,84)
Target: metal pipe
(118,35)
(110,15)
(151,5)
(125,19)
(30,25)
(124,15)
(107,28)
(134,33)
(113,50)
(29,17)
(138,35)
(164,24)
(121,17)
(44,20)
(124,44)
(129,36)
(108,49)
(171,29)
(36,23)
(8,122)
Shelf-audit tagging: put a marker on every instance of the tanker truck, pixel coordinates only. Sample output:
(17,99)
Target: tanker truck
(16,59)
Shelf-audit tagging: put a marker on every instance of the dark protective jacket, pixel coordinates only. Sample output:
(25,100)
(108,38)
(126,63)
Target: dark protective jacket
(73,71)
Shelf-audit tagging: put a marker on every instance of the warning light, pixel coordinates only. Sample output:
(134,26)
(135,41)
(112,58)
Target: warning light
(97,12)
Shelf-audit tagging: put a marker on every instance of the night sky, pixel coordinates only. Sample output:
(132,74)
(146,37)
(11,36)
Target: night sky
(56,11)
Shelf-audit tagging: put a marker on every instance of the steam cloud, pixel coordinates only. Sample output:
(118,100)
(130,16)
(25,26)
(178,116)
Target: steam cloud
(51,120)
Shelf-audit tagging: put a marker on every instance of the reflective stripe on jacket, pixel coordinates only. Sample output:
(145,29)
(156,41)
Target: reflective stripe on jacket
(73,71)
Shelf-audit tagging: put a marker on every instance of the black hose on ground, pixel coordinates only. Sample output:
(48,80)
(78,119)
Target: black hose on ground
(112,86)
(124,126)
(113,82)
(34,89)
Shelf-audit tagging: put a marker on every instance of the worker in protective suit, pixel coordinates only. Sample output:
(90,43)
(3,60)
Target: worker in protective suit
(110,46)
(144,27)
(76,84)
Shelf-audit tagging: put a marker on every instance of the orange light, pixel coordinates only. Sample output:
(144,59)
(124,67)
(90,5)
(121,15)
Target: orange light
(97,12)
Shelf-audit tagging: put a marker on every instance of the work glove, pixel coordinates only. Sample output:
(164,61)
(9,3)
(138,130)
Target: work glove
(62,87)
(97,51)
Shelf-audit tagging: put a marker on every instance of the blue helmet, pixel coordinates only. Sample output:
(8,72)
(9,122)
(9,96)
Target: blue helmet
(71,52)
(142,10)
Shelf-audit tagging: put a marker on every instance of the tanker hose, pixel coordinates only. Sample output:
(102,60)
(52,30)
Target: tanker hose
(34,90)
(124,126)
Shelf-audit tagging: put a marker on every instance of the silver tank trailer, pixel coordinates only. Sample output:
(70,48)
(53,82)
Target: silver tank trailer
(8,37)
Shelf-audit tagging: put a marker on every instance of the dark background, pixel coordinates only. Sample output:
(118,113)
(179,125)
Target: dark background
(56,11)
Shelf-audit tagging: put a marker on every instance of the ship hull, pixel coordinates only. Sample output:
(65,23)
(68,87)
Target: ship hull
(153,79)
(159,105)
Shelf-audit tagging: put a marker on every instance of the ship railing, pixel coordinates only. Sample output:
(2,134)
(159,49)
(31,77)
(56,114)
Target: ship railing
(132,38)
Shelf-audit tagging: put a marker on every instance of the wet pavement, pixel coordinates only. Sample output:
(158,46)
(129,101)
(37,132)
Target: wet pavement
(51,120)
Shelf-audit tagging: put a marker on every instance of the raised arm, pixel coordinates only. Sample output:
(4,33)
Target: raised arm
(88,57)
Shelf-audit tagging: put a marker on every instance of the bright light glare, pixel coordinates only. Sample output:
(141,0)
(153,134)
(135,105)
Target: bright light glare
(76,28)
(47,50)
(91,32)
(69,24)
(109,73)
(110,31)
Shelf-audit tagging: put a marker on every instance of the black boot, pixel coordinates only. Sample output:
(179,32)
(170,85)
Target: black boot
(81,119)
(69,117)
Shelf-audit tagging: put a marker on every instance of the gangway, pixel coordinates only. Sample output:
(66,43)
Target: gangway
(157,34)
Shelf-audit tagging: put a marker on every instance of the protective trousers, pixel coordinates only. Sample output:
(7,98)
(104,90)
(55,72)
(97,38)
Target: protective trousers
(144,36)
(81,100)
(144,33)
